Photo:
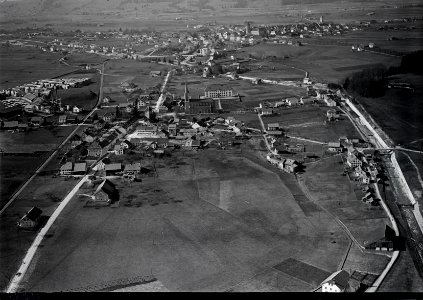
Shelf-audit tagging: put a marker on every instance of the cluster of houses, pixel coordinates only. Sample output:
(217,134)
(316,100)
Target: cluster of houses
(286,164)
(360,161)
(37,96)
(186,133)
(41,87)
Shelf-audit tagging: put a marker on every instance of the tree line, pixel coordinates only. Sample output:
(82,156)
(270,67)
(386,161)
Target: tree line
(372,82)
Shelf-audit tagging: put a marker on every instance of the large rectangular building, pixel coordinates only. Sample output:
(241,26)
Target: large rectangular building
(218,91)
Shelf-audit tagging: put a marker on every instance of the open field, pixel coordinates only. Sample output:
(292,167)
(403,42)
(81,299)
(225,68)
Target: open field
(14,170)
(161,15)
(44,192)
(407,40)
(45,137)
(77,58)
(85,96)
(21,65)
(309,121)
(324,63)
(342,198)
(125,70)
(403,277)
(251,95)
(204,224)
(399,111)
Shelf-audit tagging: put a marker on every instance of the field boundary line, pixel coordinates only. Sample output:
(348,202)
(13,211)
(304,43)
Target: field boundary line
(344,259)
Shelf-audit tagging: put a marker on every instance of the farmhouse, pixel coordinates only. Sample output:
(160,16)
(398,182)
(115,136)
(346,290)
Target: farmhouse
(329,102)
(66,169)
(155,73)
(118,150)
(31,219)
(335,147)
(276,133)
(37,121)
(112,169)
(106,192)
(336,283)
(353,161)
(273,126)
(95,150)
(10,125)
(132,168)
(62,119)
(172,128)
(290,165)
(80,168)
(266,112)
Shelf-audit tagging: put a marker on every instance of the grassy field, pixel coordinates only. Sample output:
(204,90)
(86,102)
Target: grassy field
(124,70)
(21,65)
(13,171)
(211,221)
(324,63)
(342,198)
(85,96)
(251,95)
(16,169)
(407,40)
(44,192)
(309,121)
(204,224)
(399,111)
(403,276)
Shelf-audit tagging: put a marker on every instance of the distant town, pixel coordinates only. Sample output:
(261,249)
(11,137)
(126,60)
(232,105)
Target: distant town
(227,149)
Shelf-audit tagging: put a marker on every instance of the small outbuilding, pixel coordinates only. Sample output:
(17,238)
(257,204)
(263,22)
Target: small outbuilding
(31,219)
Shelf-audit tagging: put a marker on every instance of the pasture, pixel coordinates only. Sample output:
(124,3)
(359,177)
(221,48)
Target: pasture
(21,65)
(14,170)
(125,70)
(85,96)
(309,121)
(44,192)
(210,221)
(337,194)
(324,63)
(399,112)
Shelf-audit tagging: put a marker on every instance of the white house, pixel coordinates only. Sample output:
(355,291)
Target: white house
(336,283)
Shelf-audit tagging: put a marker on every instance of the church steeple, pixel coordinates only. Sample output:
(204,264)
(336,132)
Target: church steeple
(186,98)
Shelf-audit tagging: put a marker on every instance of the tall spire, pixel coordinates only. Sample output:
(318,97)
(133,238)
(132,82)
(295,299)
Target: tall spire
(186,91)
(186,97)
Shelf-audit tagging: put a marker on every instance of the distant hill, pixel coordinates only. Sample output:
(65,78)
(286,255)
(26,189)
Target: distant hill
(29,12)
(38,8)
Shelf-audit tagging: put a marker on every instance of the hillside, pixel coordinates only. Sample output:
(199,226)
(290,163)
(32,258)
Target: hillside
(38,8)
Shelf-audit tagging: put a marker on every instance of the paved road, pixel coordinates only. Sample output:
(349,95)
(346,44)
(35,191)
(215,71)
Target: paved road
(18,192)
(16,280)
(265,135)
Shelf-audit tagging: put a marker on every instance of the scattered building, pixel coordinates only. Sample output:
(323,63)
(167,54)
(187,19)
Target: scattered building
(31,219)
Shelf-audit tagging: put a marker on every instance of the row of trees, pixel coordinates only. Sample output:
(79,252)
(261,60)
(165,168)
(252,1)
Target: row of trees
(372,82)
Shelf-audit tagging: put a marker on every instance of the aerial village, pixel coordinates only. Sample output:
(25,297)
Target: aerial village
(122,142)
(145,126)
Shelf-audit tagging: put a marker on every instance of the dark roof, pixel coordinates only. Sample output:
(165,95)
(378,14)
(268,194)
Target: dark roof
(340,279)
(108,187)
(33,213)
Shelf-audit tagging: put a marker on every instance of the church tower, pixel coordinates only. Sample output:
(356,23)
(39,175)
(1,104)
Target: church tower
(186,99)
